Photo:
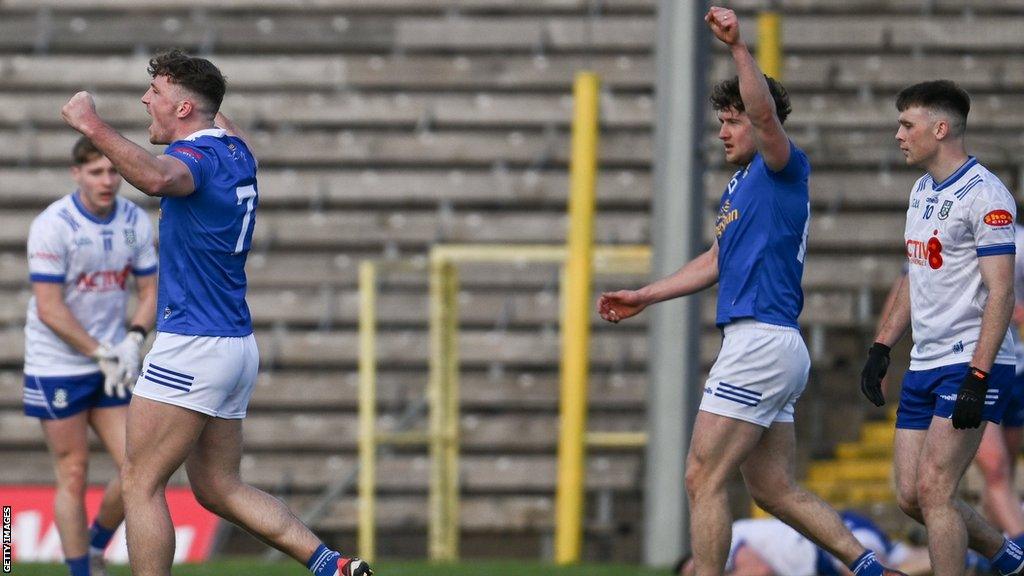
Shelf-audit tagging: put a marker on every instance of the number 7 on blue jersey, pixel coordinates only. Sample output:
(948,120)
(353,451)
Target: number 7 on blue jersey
(245,194)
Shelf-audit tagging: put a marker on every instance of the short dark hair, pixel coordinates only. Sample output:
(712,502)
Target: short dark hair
(726,94)
(198,75)
(84,151)
(939,96)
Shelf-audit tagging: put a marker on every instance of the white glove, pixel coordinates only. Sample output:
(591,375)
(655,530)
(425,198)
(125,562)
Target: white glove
(129,357)
(110,366)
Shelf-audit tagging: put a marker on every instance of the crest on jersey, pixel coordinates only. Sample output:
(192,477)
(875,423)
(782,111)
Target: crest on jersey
(60,398)
(129,237)
(944,211)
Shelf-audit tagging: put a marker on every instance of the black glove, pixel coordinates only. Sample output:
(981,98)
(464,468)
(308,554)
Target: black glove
(970,400)
(873,372)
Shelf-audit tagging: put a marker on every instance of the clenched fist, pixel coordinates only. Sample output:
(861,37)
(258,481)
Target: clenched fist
(79,111)
(724,24)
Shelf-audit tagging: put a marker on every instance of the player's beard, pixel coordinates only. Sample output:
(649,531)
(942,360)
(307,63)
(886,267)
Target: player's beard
(154,135)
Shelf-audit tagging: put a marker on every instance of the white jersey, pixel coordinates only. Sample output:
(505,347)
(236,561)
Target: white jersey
(789,553)
(950,225)
(1018,290)
(781,547)
(92,258)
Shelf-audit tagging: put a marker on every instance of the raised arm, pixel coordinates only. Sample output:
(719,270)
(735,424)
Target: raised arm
(771,138)
(232,128)
(153,175)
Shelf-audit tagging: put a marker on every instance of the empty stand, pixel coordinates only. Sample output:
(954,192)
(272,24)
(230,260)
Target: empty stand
(384,127)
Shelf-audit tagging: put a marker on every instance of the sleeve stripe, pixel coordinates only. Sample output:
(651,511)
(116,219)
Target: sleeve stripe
(52,278)
(144,271)
(994,249)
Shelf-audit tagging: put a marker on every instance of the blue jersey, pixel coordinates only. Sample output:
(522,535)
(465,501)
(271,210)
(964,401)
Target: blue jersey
(762,237)
(205,238)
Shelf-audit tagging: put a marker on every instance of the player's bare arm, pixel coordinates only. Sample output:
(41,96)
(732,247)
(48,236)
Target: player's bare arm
(154,175)
(145,310)
(997,275)
(772,141)
(231,128)
(694,276)
(896,317)
(54,312)
(893,324)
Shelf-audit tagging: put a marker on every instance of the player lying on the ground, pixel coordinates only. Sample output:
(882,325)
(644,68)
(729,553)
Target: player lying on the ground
(768,547)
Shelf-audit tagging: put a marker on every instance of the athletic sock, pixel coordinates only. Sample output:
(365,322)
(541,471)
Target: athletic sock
(866,565)
(323,562)
(78,566)
(1009,560)
(99,537)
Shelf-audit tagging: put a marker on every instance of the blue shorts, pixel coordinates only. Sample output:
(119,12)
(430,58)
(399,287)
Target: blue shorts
(56,397)
(1014,415)
(928,393)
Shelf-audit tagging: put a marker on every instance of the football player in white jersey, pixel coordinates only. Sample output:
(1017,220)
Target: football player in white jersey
(1000,443)
(79,358)
(769,547)
(194,390)
(958,295)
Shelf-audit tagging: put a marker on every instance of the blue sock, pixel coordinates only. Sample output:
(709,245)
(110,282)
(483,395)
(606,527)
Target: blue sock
(323,562)
(866,565)
(1009,559)
(99,536)
(78,566)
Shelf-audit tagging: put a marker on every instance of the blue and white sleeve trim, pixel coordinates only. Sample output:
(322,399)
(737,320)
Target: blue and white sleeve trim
(994,249)
(51,278)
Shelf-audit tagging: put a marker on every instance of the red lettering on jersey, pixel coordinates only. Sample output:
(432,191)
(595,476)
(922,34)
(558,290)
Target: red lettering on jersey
(46,256)
(919,252)
(194,154)
(934,253)
(103,280)
(998,218)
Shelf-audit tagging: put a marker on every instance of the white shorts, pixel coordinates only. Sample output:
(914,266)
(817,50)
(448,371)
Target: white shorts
(759,374)
(214,375)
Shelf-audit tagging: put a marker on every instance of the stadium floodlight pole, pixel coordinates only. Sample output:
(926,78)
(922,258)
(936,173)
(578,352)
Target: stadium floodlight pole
(367,408)
(674,329)
(443,391)
(769,43)
(576,312)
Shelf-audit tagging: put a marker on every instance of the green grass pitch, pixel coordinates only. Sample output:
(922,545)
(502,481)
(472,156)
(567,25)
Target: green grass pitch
(470,568)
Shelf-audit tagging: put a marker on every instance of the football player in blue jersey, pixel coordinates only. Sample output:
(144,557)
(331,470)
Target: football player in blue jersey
(197,380)
(79,359)
(745,420)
